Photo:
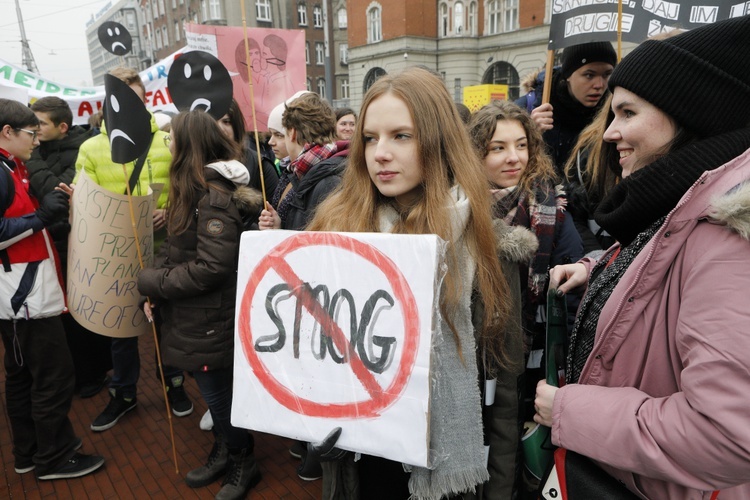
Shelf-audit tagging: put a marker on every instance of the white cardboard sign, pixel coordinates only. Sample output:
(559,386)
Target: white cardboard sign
(334,330)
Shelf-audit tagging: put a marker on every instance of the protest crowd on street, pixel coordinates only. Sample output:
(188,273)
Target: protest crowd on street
(540,298)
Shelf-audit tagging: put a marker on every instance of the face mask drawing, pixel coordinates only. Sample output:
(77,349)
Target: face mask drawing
(127,121)
(115,38)
(198,80)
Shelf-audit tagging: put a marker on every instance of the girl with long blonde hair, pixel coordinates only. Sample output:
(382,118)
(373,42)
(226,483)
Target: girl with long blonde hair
(412,171)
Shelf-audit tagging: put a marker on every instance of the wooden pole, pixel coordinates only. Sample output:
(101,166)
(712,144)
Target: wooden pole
(153,325)
(548,76)
(252,104)
(619,30)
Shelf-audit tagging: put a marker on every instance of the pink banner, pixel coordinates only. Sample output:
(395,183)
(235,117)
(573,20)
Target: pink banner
(277,61)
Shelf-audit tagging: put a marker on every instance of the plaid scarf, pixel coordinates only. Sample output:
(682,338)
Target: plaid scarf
(311,155)
(540,214)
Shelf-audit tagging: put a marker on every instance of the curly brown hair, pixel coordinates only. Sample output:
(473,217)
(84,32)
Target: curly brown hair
(312,118)
(482,127)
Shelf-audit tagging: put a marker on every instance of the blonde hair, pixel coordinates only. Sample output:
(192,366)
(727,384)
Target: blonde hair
(129,76)
(482,126)
(446,159)
(595,175)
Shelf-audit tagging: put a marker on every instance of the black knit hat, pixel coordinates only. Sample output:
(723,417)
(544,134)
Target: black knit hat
(700,78)
(575,56)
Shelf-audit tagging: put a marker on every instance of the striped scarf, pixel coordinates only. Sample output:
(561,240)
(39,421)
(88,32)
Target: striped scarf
(540,214)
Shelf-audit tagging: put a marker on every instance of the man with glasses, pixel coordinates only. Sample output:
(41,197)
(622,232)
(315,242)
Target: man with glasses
(53,162)
(39,375)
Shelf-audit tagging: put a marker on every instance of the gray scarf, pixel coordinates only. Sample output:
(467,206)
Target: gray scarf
(456,448)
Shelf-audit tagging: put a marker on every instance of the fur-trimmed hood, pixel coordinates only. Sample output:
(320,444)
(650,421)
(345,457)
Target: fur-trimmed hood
(248,200)
(514,243)
(733,210)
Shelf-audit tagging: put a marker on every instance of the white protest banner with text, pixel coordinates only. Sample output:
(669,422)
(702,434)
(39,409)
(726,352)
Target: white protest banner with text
(103,261)
(334,330)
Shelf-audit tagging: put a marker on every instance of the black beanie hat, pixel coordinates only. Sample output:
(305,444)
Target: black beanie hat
(575,56)
(701,78)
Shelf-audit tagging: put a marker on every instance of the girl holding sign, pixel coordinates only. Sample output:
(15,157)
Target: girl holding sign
(412,171)
(193,281)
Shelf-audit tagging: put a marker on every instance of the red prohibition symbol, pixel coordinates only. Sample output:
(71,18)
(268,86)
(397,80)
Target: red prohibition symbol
(380,398)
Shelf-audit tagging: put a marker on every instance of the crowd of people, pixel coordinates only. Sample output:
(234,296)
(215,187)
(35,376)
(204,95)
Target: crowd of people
(627,193)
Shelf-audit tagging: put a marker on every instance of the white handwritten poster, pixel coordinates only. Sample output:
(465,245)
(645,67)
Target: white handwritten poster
(334,330)
(103,259)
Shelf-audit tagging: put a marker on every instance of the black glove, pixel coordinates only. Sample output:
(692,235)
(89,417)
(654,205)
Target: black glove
(54,207)
(326,451)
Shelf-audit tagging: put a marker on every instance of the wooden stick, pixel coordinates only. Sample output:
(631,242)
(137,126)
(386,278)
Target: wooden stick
(619,30)
(252,105)
(548,76)
(153,325)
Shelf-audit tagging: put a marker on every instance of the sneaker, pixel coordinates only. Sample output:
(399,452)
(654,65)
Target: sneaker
(298,449)
(178,400)
(93,388)
(78,465)
(24,466)
(207,421)
(116,408)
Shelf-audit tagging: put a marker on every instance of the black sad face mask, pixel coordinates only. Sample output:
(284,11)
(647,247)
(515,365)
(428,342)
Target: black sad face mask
(198,80)
(127,121)
(115,38)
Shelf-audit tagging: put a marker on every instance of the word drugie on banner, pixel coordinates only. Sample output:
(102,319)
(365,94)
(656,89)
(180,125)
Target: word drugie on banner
(335,330)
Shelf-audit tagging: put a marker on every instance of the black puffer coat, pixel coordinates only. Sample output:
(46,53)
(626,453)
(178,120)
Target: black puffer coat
(194,278)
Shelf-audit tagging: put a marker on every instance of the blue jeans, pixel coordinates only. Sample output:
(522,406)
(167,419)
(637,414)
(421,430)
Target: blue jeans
(126,367)
(216,389)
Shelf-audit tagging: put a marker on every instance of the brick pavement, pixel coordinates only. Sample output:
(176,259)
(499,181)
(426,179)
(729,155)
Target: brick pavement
(139,462)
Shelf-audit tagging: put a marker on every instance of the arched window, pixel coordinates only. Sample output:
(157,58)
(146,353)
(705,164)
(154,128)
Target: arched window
(371,77)
(444,26)
(302,14)
(322,88)
(458,18)
(317,16)
(471,24)
(343,20)
(374,26)
(502,73)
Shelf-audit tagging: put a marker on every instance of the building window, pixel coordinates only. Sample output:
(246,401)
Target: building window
(471,25)
(302,14)
(371,77)
(307,52)
(165,36)
(458,18)
(309,84)
(162,10)
(263,10)
(342,18)
(344,53)
(176,31)
(319,53)
(130,21)
(510,15)
(493,11)
(345,88)
(214,7)
(174,4)
(317,17)
(374,27)
(204,10)
(457,90)
(502,73)
(322,88)
(443,20)
(158,39)
(182,2)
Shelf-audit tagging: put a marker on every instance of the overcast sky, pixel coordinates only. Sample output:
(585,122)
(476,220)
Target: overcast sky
(56,31)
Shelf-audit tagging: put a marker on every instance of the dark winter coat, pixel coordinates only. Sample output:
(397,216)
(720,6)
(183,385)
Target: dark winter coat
(307,193)
(194,279)
(50,164)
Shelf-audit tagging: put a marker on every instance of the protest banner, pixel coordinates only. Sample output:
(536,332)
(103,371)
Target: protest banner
(103,260)
(277,58)
(334,330)
(580,21)
(86,101)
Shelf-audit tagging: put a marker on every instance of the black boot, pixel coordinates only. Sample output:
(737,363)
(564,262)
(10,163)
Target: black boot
(218,461)
(242,475)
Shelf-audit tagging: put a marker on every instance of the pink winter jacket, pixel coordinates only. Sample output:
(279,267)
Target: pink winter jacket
(666,400)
